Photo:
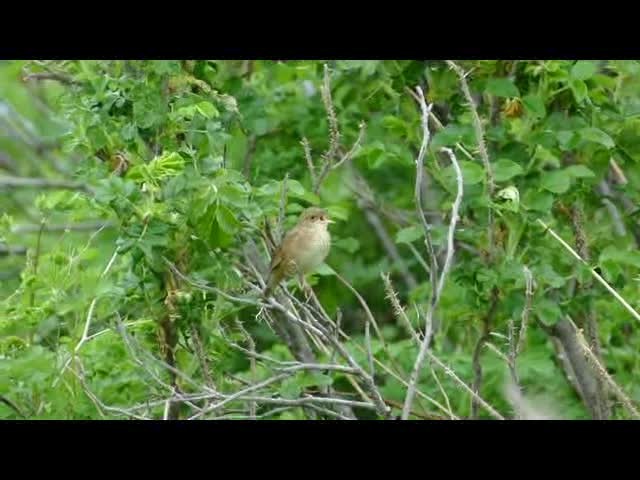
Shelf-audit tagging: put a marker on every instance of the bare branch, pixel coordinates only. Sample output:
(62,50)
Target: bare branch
(595,274)
(455,209)
(464,386)
(58,77)
(398,310)
(82,226)
(482,147)
(602,371)
(309,158)
(47,183)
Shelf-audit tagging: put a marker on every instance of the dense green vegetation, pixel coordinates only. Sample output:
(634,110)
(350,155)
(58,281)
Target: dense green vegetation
(141,200)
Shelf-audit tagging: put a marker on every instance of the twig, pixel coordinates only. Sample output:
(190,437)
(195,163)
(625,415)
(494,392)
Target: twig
(398,310)
(82,226)
(464,386)
(589,321)
(12,405)
(58,77)
(602,371)
(36,260)
(477,352)
(252,363)
(595,274)
(27,182)
(309,158)
(426,136)
(444,394)
(329,156)
(282,208)
(443,276)
(482,147)
(524,321)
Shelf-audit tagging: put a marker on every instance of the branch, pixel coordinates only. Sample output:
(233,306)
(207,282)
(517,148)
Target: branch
(82,226)
(602,371)
(329,156)
(25,182)
(464,386)
(595,274)
(443,275)
(482,147)
(58,77)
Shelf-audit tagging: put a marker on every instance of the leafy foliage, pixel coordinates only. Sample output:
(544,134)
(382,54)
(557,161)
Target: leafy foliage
(185,163)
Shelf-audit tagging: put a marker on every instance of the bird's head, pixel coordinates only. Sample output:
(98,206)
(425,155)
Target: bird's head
(315,216)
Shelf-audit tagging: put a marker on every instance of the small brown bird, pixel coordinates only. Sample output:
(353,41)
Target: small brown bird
(303,249)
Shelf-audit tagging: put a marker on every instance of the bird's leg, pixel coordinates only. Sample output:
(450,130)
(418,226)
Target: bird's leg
(304,286)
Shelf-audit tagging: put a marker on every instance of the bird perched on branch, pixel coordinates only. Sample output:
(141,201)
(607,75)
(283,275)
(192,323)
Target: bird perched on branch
(303,248)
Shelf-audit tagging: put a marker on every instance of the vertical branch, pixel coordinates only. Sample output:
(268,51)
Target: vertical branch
(482,147)
(516,342)
(426,135)
(332,119)
(435,298)
(309,159)
(36,260)
(476,365)
(282,209)
(590,321)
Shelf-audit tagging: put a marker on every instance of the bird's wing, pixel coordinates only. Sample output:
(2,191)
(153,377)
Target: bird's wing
(291,242)
(278,255)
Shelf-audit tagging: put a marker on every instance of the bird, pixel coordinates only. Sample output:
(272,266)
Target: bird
(304,248)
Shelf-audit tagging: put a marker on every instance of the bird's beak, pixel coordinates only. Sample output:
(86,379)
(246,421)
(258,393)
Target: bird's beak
(330,221)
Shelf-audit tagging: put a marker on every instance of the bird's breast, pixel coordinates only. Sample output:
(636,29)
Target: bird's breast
(316,250)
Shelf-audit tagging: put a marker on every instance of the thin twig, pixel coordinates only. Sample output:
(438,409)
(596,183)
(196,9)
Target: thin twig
(26,182)
(595,274)
(602,371)
(482,148)
(464,386)
(438,290)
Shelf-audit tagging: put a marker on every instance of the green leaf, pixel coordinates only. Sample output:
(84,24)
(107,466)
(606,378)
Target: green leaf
(548,311)
(290,389)
(409,234)
(596,135)
(315,379)
(547,275)
(324,270)
(579,171)
(471,171)
(567,139)
(617,255)
(583,70)
(579,89)
(534,105)
(207,109)
(350,244)
(227,220)
(502,87)
(504,169)
(556,182)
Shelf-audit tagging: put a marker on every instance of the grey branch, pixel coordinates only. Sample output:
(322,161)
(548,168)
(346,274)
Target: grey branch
(48,183)
(482,147)
(455,209)
(61,227)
